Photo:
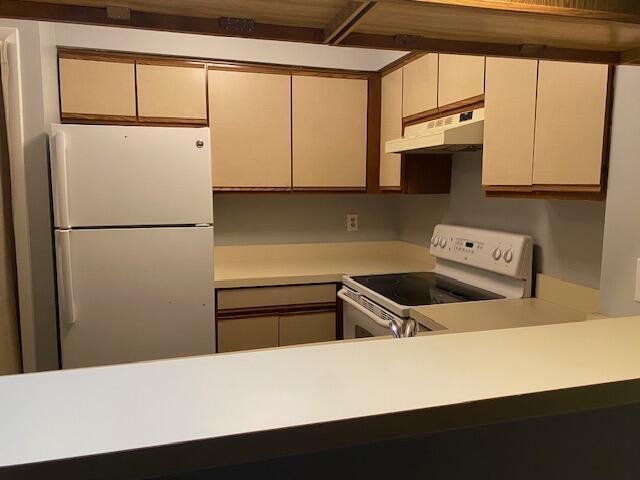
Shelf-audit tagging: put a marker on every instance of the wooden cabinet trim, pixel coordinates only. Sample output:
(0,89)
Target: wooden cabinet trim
(374,104)
(96,56)
(89,118)
(461,106)
(401,62)
(279,310)
(173,120)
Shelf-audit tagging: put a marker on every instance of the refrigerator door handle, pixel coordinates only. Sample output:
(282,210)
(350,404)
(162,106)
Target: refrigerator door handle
(65,279)
(60,190)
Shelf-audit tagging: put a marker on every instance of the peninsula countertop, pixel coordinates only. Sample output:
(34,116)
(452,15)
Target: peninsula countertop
(193,413)
(289,264)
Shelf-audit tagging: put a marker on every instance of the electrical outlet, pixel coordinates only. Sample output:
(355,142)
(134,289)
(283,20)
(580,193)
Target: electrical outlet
(636,297)
(352,222)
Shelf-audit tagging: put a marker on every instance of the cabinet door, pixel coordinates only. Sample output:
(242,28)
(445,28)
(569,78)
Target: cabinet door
(390,129)
(509,121)
(250,117)
(247,333)
(307,328)
(420,85)
(175,94)
(570,123)
(460,79)
(91,89)
(329,133)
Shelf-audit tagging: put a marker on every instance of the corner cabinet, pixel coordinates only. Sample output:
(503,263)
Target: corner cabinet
(250,119)
(97,89)
(546,129)
(329,133)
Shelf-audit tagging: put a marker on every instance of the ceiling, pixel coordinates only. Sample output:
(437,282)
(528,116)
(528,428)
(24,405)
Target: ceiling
(585,30)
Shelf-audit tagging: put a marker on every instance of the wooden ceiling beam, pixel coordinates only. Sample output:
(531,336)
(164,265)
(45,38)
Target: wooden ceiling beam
(618,10)
(346,20)
(463,47)
(28,10)
(630,57)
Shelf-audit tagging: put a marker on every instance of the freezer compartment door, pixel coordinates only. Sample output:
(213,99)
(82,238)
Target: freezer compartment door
(105,175)
(134,294)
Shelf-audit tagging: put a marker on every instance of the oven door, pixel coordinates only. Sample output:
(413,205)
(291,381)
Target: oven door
(358,321)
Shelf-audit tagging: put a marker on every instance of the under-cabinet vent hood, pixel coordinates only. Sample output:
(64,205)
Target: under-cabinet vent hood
(454,133)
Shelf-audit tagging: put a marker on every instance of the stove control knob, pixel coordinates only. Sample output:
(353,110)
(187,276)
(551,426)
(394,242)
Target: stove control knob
(434,240)
(443,242)
(508,256)
(497,253)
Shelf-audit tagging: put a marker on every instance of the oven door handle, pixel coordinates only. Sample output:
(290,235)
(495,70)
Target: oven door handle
(361,309)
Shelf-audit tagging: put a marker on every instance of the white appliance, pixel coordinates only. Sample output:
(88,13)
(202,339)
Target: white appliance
(471,265)
(453,133)
(134,242)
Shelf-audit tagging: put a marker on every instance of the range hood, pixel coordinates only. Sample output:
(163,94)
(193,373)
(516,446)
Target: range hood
(454,133)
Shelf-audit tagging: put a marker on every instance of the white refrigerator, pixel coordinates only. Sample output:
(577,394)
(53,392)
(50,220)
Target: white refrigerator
(134,242)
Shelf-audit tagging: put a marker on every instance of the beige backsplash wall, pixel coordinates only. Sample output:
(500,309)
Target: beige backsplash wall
(568,234)
(267,218)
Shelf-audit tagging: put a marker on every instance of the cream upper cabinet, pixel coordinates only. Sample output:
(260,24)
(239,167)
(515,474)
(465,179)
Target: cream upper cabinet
(250,119)
(460,78)
(172,93)
(92,87)
(510,113)
(570,123)
(420,85)
(329,132)
(391,128)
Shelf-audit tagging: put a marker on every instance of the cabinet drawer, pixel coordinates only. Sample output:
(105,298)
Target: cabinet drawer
(95,88)
(275,296)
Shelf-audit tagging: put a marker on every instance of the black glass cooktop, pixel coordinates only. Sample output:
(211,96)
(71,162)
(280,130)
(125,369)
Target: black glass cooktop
(423,288)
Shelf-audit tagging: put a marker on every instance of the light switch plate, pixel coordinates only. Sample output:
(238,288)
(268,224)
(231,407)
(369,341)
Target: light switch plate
(352,222)
(637,295)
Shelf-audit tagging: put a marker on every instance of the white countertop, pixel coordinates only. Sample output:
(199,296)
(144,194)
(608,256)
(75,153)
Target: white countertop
(493,314)
(64,414)
(289,264)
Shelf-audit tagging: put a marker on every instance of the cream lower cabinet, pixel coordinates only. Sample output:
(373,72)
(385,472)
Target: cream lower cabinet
(329,133)
(570,124)
(391,129)
(247,333)
(460,79)
(509,124)
(97,89)
(250,119)
(306,328)
(267,317)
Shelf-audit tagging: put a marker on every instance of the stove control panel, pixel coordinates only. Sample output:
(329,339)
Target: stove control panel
(500,252)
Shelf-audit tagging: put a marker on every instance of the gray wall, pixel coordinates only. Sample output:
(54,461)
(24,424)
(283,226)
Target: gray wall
(621,232)
(262,218)
(568,234)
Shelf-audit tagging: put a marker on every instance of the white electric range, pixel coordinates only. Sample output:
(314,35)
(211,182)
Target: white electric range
(471,265)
